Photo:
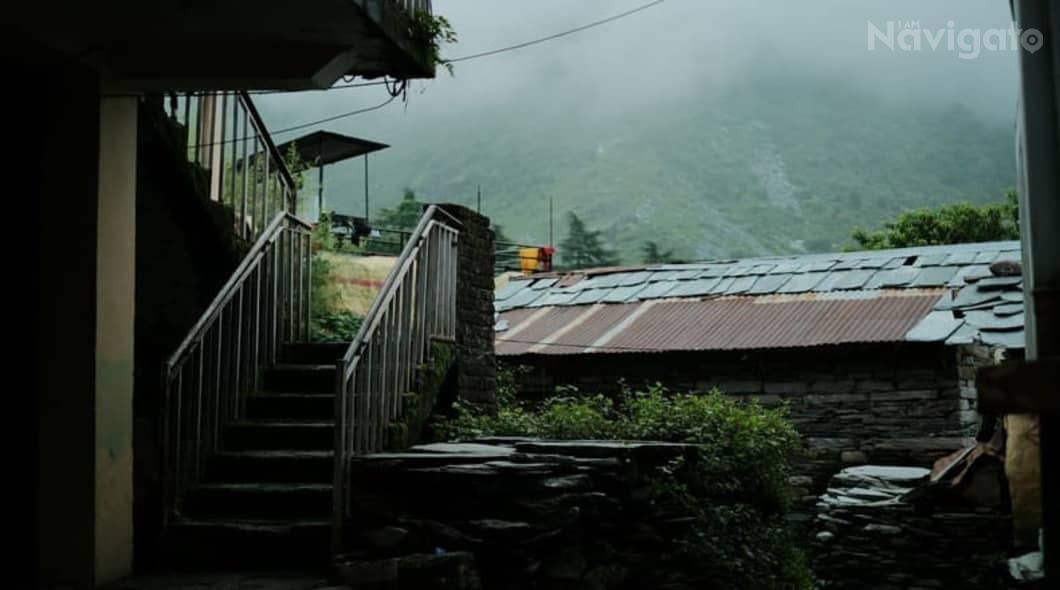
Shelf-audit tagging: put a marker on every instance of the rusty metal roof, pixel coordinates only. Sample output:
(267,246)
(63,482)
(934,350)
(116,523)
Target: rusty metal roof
(929,294)
(729,323)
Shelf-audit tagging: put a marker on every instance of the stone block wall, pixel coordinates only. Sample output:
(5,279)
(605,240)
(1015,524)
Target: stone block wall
(888,404)
(889,529)
(519,514)
(476,364)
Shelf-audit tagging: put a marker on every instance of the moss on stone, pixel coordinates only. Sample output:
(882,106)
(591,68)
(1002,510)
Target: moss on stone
(418,406)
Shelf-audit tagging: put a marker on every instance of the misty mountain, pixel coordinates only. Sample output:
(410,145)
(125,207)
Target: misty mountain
(713,129)
(767,167)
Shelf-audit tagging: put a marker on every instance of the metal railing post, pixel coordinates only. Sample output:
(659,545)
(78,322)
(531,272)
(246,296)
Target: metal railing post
(415,304)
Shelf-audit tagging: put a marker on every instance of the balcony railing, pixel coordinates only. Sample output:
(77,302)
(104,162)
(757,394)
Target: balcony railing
(228,140)
(414,6)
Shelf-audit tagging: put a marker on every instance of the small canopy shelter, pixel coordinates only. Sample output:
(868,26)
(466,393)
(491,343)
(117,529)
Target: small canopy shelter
(321,148)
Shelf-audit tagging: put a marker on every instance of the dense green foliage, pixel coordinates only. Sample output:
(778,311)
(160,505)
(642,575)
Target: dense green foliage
(583,248)
(434,31)
(405,215)
(748,445)
(746,547)
(743,467)
(957,223)
(327,324)
(767,165)
(334,326)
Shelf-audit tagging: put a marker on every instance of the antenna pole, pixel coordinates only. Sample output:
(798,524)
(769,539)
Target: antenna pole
(366,188)
(550,219)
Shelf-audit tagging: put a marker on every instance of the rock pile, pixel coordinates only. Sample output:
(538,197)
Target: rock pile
(889,528)
(514,514)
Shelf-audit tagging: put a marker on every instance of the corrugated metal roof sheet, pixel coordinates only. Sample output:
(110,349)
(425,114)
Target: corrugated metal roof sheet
(847,276)
(537,327)
(729,323)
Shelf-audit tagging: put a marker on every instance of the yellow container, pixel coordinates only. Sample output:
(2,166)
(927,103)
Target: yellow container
(529,260)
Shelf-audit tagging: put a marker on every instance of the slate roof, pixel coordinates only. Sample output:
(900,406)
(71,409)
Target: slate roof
(927,294)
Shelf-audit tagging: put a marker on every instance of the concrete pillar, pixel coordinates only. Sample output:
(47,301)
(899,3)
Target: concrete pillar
(85,196)
(115,288)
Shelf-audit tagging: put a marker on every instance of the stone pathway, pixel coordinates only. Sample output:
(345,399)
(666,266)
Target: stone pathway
(227,581)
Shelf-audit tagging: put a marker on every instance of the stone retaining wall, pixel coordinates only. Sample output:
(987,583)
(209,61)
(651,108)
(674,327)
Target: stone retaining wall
(887,404)
(886,528)
(516,515)
(476,364)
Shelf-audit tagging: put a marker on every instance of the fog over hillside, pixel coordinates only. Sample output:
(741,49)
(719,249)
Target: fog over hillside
(714,128)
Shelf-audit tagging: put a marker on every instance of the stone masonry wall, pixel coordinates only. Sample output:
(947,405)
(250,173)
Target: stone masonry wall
(476,364)
(518,514)
(893,404)
(969,358)
(889,528)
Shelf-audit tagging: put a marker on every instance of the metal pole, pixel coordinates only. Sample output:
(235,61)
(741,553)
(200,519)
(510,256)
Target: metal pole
(550,221)
(320,180)
(479,208)
(366,214)
(320,192)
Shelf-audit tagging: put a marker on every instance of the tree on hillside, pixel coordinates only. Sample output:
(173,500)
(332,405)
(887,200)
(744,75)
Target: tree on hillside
(582,247)
(653,255)
(956,223)
(405,216)
(499,236)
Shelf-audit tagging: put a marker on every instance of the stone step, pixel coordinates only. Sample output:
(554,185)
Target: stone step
(258,500)
(214,544)
(314,352)
(277,435)
(308,378)
(291,406)
(455,570)
(270,467)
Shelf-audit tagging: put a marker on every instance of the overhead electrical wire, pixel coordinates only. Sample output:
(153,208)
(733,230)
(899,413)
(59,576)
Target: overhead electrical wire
(489,53)
(398,88)
(302,125)
(591,25)
(392,98)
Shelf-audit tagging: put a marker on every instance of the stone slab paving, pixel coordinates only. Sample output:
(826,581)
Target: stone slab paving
(227,581)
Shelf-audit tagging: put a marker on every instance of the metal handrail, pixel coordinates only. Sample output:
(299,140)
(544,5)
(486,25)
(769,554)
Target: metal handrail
(278,158)
(227,138)
(416,304)
(263,305)
(234,281)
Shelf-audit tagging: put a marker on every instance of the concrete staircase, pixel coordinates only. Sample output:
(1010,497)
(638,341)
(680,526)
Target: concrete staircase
(266,497)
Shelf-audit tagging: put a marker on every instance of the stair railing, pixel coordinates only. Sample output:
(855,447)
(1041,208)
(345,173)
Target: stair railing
(226,137)
(416,304)
(264,304)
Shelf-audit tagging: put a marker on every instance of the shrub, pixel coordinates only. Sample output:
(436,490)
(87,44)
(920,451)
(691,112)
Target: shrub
(747,447)
(742,468)
(334,326)
(327,323)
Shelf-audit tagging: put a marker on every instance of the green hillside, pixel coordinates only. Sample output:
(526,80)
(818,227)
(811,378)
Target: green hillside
(770,166)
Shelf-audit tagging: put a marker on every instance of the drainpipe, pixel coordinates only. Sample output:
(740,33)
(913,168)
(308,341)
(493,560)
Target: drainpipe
(1039,197)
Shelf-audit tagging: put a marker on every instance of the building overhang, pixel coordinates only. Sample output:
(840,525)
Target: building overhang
(226,44)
